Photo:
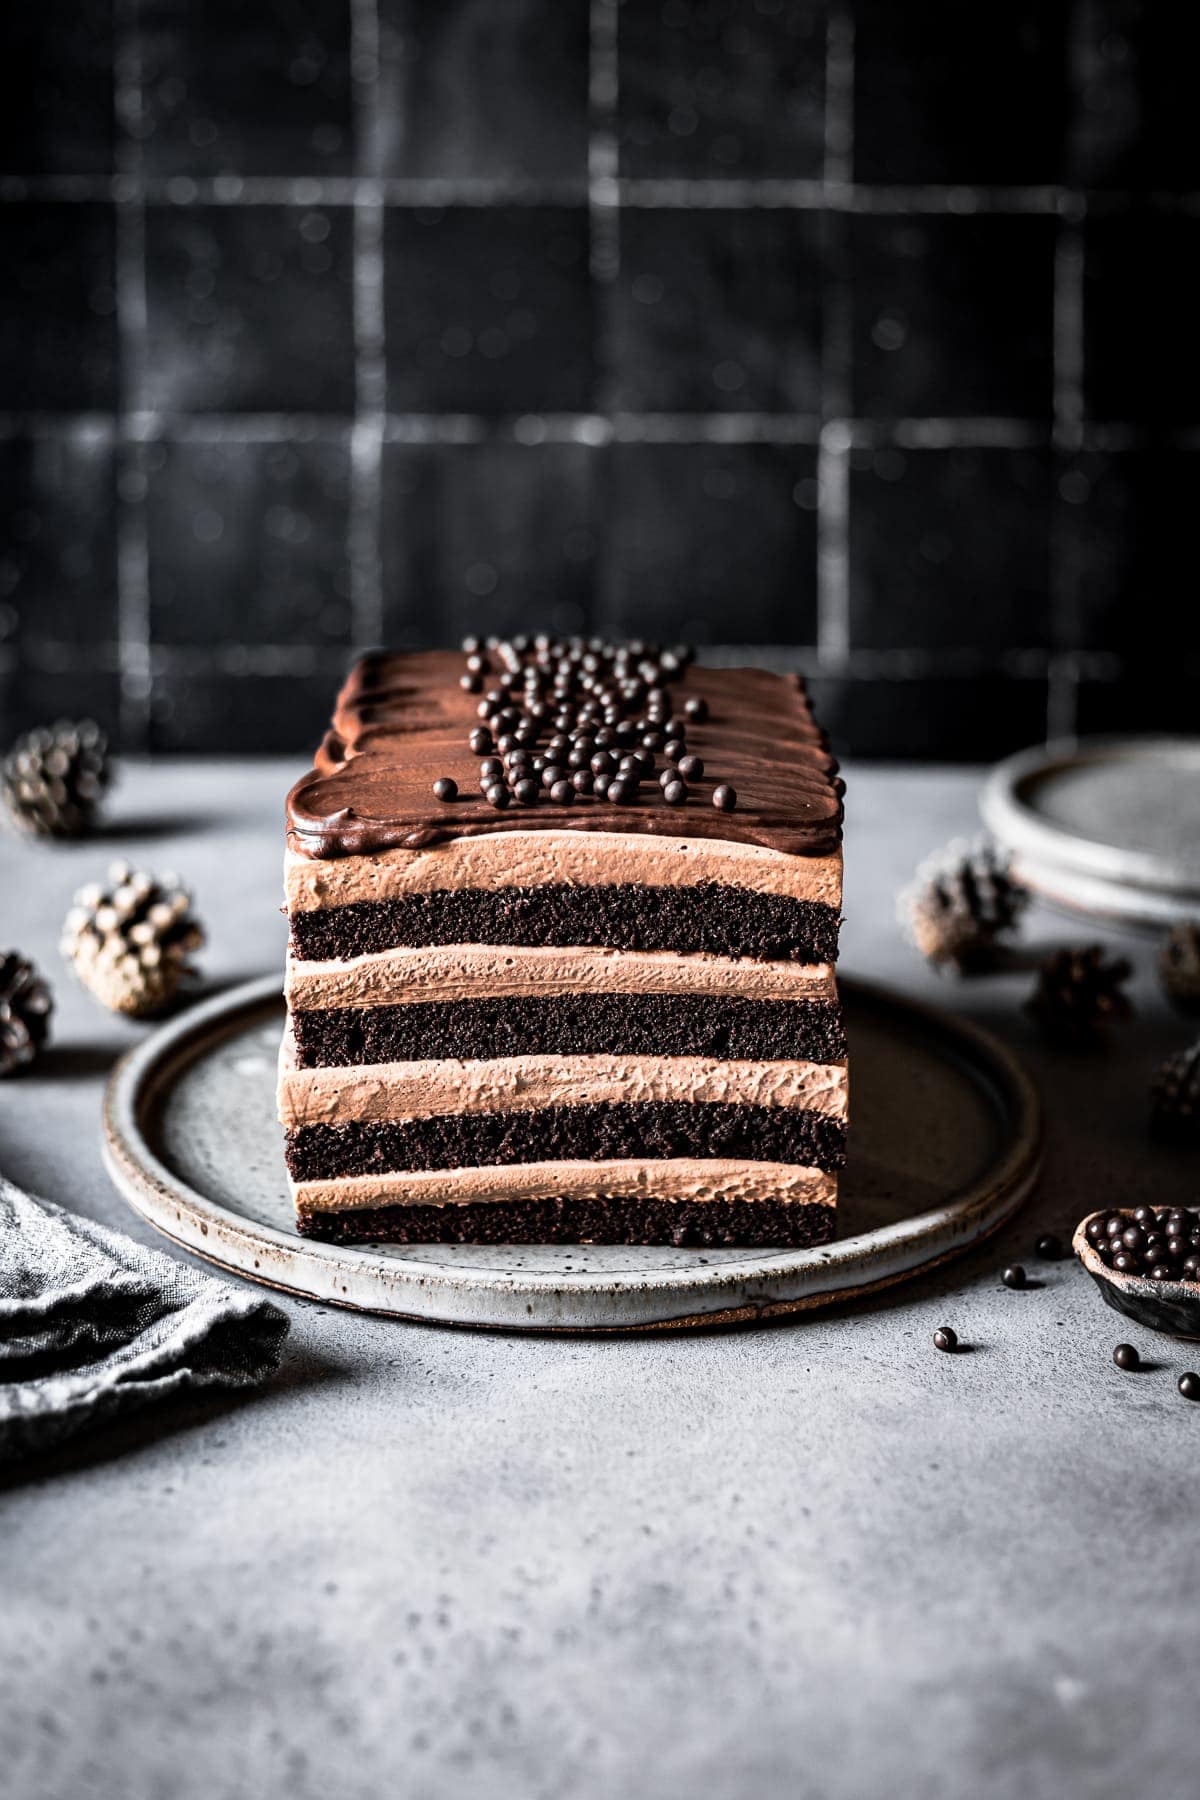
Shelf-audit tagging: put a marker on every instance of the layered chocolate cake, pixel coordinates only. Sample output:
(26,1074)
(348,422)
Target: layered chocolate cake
(564,918)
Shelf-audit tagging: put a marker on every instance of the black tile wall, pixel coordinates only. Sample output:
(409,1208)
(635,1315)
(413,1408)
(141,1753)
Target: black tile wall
(718,311)
(858,333)
(248,542)
(695,523)
(952,316)
(256,90)
(722,87)
(58,303)
(943,95)
(504,534)
(483,91)
(488,309)
(249,309)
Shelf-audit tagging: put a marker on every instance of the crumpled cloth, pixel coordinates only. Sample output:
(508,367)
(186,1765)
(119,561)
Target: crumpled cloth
(93,1326)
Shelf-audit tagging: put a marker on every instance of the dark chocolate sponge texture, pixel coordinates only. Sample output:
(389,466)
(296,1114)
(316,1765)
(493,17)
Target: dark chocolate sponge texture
(709,918)
(699,1224)
(591,1025)
(403,722)
(585,1133)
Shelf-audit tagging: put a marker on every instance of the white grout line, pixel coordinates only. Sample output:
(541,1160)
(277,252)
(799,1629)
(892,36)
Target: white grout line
(133,549)
(836,439)
(370,364)
(836,190)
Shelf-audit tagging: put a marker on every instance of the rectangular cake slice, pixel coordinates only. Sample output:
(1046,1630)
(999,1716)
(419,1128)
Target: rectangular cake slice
(564,920)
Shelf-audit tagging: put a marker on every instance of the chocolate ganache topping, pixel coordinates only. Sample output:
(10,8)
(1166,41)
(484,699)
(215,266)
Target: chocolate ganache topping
(583,735)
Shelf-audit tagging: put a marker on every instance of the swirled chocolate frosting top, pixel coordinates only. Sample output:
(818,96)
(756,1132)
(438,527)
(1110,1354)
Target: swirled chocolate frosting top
(565,734)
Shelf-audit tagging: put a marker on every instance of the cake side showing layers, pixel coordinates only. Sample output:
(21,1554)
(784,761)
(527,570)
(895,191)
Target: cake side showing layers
(610,1020)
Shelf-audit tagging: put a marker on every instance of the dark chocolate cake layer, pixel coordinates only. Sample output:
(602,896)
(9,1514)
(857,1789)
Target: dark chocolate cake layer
(587,1025)
(587,1133)
(708,918)
(703,1224)
(402,722)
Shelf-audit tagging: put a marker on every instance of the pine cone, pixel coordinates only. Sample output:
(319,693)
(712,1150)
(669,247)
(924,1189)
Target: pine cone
(1078,995)
(1179,965)
(53,780)
(1175,1095)
(962,902)
(25,1008)
(129,942)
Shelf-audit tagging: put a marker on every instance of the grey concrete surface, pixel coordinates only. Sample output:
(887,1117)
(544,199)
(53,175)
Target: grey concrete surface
(817,1559)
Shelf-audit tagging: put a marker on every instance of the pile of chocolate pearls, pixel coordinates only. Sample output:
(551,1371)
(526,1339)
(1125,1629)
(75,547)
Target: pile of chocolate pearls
(1159,1242)
(575,719)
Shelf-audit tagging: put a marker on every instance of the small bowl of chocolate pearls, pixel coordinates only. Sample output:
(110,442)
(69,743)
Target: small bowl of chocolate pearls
(1146,1262)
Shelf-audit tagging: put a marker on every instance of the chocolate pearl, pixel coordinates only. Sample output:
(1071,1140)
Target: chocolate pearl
(621,791)
(1126,1357)
(600,786)
(603,763)
(674,748)
(491,769)
(480,740)
(552,773)
(476,664)
(667,776)
(945,1338)
(1050,1247)
(562,792)
(1094,1231)
(1134,1238)
(675,793)
(469,645)
(1144,1215)
(691,768)
(605,737)
(526,791)
(582,781)
(470,684)
(1191,1266)
(652,740)
(1125,1263)
(506,743)
(724,798)
(1189,1386)
(498,796)
(1114,1225)
(629,765)
(1014,1276)
(1160,1272)
(445,788)
(697,708)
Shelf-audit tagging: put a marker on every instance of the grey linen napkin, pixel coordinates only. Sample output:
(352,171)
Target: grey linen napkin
(92,1326)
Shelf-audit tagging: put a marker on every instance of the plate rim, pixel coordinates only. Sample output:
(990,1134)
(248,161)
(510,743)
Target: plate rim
(1007,814)
(711,1294)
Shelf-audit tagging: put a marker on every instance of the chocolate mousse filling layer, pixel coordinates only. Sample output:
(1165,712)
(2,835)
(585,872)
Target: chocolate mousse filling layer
(709,917)
(573,1025)
(585,1133)
(572,1220)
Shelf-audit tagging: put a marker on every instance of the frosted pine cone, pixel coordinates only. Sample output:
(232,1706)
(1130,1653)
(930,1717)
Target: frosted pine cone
(962,903)
(25,1008)
(53,780)
(130,941)
(1175,1095)
(1079,994)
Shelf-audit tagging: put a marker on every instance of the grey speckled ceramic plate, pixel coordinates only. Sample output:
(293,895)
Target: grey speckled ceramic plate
(1104,826)
(946,1140)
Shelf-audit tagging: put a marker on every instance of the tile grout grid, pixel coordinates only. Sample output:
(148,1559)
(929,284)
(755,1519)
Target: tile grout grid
(835,433)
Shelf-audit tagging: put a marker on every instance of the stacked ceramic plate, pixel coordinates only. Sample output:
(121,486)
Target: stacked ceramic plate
(1105,826)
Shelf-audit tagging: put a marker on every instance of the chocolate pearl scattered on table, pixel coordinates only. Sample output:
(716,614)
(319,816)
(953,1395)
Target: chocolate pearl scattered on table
(675,793)
(526,791)
(697,708)
(562,793)
(724,798)
(480,740)
(498,796)
(446,788)
(945,1338)
(491,768)
(582,781)
(674,748)
(1126,1357)
(1014,1276)
(552,773)
(691,767)
(620,791)
(1050,1247)
(1189,1385)
(470,684)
